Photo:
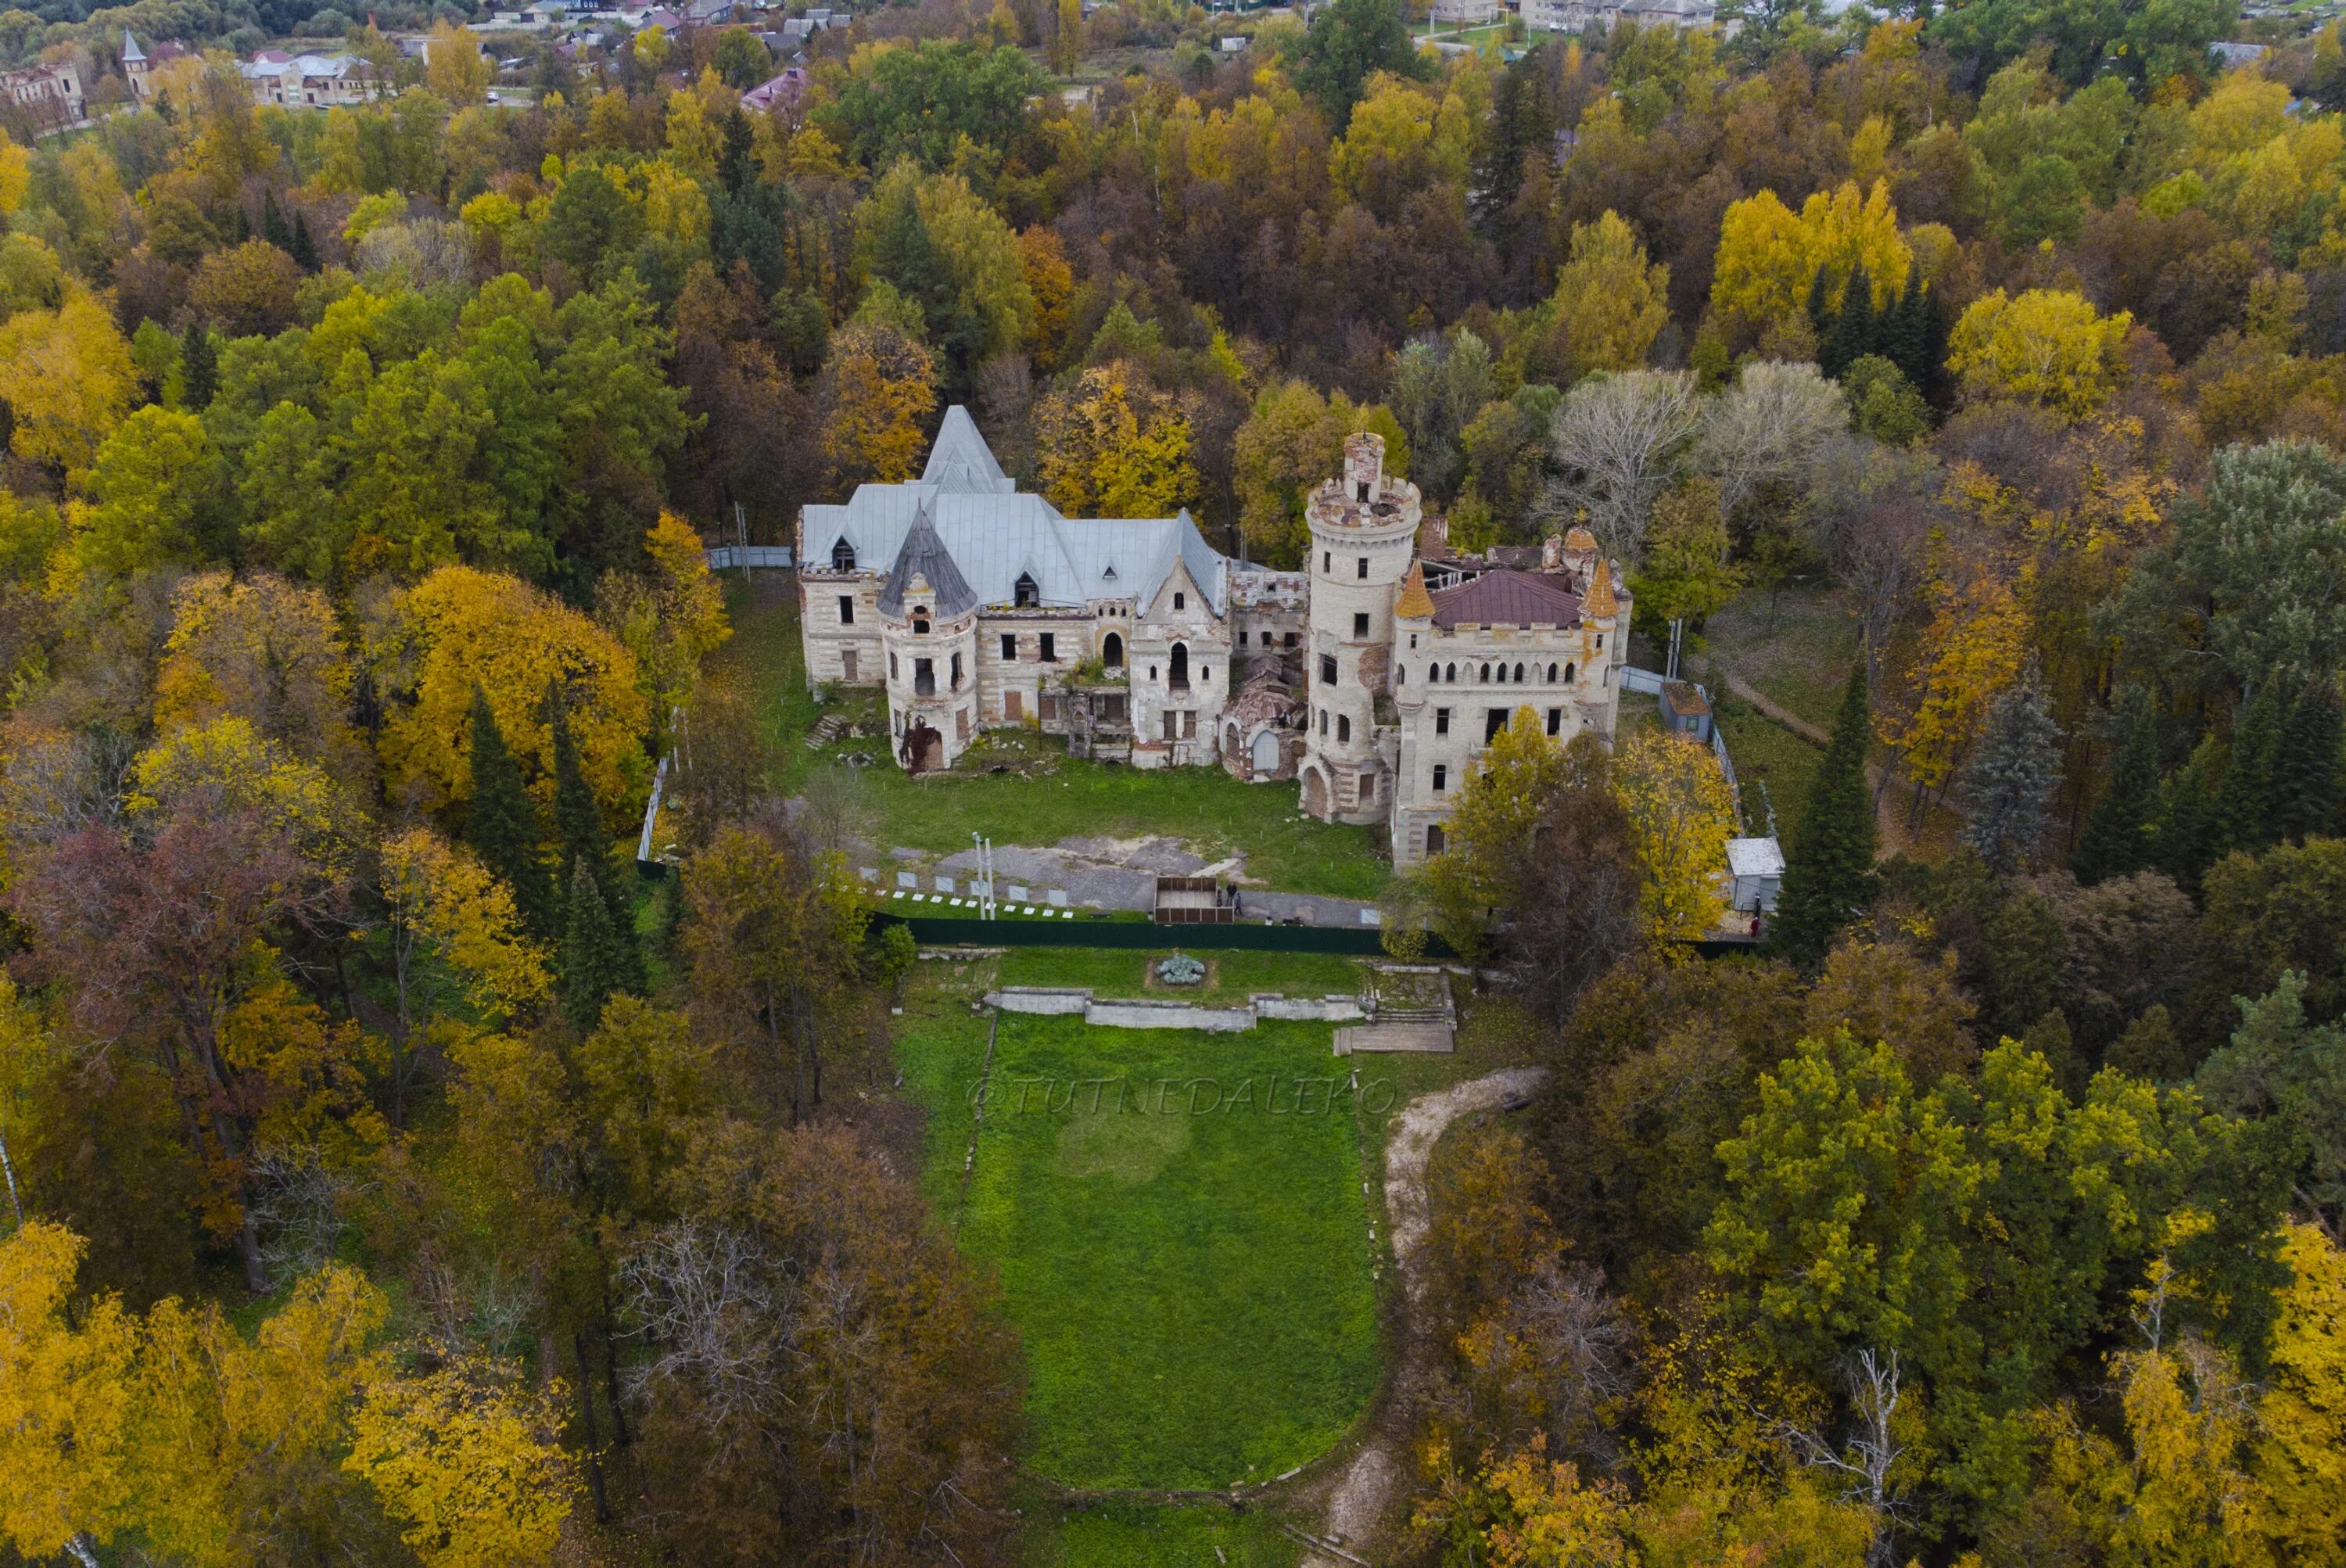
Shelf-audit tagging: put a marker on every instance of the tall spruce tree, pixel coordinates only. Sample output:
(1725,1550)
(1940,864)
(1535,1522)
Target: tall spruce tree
(303,249)
(1820,315)
(272,221)
(2011,779)
(198,368)
(2245,806)
(2117,840)
(2305,765)
(578,830)
(501,823)
(1829,870)
(1853,328)
(1906,343)
(2188,832)
(594,961)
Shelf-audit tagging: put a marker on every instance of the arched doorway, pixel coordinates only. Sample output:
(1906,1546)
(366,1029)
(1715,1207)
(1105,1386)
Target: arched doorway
(1177,673)
(1112,651)
(1266,752)
(1315,794)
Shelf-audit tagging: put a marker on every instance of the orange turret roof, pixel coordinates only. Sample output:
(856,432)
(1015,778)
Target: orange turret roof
(1600,602)
(1414,604)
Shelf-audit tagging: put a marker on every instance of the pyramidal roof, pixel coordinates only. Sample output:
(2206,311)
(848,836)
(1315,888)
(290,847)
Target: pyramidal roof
(130,47)
(961,462)
(925,556)
(1415,603)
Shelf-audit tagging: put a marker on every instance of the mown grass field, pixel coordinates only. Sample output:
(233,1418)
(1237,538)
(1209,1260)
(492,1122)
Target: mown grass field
(1051,797)
(1182,1240)
(1129,1536)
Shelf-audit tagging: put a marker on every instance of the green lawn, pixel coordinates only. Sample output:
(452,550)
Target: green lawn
(1232,975)
(1795,646)
(1765,752)
(1050,796)
(1192,1287)
(1137,1536)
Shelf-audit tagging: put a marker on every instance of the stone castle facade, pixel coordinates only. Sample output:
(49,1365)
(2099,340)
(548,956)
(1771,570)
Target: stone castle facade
(1373,679)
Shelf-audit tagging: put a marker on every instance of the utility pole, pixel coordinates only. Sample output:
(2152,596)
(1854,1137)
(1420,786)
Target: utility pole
(985,874)
(741,534)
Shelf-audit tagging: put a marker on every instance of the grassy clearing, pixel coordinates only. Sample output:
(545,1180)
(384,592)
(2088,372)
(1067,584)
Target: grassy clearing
(1132,1536)
(1797,654)
(1048,796)
(1192,1287)
(1766,753)
(1232,975)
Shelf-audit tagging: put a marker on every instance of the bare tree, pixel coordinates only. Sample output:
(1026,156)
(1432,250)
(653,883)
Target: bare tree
(1580,1344)
(1619,440)
(1872,1452)
(705,1296)
(1770,426)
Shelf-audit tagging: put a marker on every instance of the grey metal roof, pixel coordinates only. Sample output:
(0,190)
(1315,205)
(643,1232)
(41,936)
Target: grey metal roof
(993,532)
(924,555)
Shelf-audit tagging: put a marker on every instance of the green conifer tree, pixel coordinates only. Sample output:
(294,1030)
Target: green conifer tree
(2010,779)
(579,832)
(240,228)
(2115,841)
(1829,870)
(2305,765)
(1907,341)
(303,249)
(272,222)
(198,368)
(594,960)
(501,823)
(2187,829)
(1853,330)
(1820,305)
(2245,805)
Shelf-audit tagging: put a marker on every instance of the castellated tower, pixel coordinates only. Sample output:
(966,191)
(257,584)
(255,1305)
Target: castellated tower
(1363,537)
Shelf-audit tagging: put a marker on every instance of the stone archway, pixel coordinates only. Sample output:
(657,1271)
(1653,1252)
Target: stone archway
(1315,794)
(1112,652)
(1266,752)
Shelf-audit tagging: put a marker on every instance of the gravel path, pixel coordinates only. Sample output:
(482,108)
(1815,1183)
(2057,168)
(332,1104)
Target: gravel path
(1365,1492)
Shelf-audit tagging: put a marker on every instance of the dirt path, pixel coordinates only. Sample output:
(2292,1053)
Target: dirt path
(1366,1488)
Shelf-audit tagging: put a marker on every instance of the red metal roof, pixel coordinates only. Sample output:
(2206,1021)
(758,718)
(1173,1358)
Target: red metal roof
(1509,599)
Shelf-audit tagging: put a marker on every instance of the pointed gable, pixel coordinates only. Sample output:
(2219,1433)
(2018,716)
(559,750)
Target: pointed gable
(925,556)
(961,464)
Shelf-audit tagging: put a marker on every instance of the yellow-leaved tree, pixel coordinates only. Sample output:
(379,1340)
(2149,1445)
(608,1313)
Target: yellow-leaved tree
(883,386)
(1971,650)
(459,627)
(1112,446)
(227,764)
(1769,259)
(1497,812)
(1610,302)
(66,376)
(670,620)
(64,1387)
(468,1460)
(2048,347)
(1683,813)
(2299,1462)
(265,650)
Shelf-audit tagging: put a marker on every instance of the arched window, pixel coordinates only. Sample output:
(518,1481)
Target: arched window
(1025,594)
(842,556)
(1486,675)
(1343,729)
(1567,675)
(1449,674)
(1177,676)
(1551,675)
(1112,651)
(1519,675)
(1400,675)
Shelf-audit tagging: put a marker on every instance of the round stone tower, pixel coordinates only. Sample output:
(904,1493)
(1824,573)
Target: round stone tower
(1363,535)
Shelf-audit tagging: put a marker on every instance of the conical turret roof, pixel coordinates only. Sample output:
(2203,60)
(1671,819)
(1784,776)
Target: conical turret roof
(1414,604)
(925,556)
(1600,603)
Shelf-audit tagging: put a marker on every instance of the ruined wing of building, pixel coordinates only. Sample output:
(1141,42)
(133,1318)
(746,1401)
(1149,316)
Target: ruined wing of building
(1372,680)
